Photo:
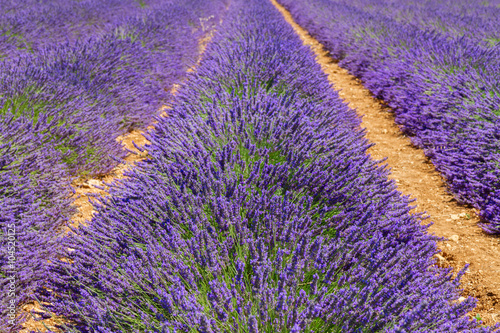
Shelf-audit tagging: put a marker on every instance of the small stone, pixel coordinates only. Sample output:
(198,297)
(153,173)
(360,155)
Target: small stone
(455,238)
(440,258)
(448,245)
(94,182)
(463,215)
(459,300)
(455,217)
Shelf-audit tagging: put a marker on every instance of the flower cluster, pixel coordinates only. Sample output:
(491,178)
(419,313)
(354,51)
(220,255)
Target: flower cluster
(64,103)
(437,64)
(258,210)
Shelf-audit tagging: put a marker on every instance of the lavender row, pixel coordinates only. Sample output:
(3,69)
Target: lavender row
(257,211)
(441,83)
(98,88)
(33,207)
(30,25)
(61,109)
(478,21)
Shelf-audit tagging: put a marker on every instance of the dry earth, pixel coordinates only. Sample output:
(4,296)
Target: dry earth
(416,176)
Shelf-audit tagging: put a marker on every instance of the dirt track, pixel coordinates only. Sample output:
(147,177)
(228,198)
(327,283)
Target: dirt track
(415,175)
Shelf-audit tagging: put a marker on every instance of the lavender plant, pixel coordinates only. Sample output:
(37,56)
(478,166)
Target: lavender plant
(436,63)
(63,105)
(259,210)
(33,205)
(29,26)
(100,88)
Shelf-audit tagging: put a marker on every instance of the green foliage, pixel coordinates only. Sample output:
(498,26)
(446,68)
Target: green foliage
(493,41)
(142,3)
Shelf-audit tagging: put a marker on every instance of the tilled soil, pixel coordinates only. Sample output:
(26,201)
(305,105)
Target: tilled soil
(416,176)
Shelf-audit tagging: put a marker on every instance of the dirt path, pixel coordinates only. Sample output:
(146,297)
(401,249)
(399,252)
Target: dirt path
(415,175)
(87,188)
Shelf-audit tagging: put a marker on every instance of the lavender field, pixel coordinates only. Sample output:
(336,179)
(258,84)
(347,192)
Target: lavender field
(258,207)
(437,64)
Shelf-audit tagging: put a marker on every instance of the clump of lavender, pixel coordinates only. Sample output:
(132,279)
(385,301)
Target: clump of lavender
(96,89)
(34,206)
(258,211)
(63,103)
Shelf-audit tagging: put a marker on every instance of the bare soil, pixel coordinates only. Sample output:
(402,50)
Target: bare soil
(416,176)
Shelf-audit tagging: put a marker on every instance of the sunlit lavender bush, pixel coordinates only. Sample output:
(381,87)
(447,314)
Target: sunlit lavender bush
(64,102)
(258,211)
(437,64)
(31,25)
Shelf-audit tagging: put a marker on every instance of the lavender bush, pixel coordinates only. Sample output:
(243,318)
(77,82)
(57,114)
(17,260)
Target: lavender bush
(63,105)
(257,211)
(436,63)
(33,204)
(101,87)
(28,26)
